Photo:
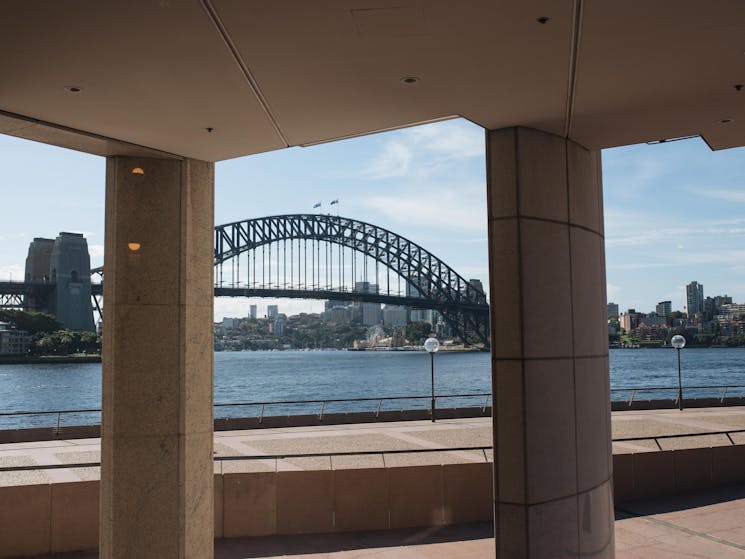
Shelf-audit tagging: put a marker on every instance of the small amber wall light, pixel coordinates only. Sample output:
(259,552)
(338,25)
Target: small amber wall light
(138,171)
(134,247)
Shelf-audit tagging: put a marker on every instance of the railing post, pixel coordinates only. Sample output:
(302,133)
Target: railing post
(631,399)
(486,400)
(261,414)
(724,394)
(380,403)
(56,432)
(323,407)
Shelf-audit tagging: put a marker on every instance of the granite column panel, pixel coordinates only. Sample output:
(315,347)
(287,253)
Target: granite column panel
(552,486)
(156,458)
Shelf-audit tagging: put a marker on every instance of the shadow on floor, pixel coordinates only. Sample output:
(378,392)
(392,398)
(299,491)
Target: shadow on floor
(274,546)
(243,548)
(674,503)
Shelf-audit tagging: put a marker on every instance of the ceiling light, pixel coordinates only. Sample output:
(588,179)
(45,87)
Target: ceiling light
(134,247)
(138,171)
(726,120)
(409,80)
(543,20)
(73,88)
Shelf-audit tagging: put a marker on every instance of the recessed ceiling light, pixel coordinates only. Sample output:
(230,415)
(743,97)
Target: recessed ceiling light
(408,80)
(738,87)
(138,171)
(726,120)
(210,129)
(543,20)
(73,88)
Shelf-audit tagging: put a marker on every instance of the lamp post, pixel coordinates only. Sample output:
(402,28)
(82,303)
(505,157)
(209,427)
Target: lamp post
(679,342)
(432,345)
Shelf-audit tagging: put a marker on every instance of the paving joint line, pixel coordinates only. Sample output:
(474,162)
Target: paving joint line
(703,535)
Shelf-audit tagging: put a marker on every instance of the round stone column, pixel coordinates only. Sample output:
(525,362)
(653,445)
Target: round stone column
(552,451)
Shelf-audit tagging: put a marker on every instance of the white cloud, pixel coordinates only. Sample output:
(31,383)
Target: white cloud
(454,208)
(613,291)
(725,257)
(620,230)
(394,161)
(453,138)
(11,271)
(422,150)
(733,196)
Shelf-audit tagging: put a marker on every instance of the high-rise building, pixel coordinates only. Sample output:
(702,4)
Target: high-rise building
(612,309)
(664,308)
(272,311)
(423,315)
(394,315)
(252,311)
(371,313)
(694,298)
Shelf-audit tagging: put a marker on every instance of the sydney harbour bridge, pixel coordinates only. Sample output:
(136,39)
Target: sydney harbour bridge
(317,256)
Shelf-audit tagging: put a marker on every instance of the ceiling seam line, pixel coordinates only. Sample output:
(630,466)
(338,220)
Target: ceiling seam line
(573,56)
(243,67)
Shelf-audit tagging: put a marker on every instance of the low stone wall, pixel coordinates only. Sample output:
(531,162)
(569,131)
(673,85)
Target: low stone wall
(644,475)
(40,519)
(59,517)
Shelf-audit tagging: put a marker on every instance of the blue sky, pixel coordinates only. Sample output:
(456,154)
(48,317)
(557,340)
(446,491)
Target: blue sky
(674,212)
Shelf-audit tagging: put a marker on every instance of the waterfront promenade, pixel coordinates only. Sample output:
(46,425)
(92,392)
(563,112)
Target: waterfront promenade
(701,524)
(378,437)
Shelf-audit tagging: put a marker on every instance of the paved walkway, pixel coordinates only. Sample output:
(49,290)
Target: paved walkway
(380,437)
(707,524)
(704,525)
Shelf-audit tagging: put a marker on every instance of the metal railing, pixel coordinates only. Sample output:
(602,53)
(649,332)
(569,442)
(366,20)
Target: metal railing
(633,390)
(324,402)
(483,449)
(262,406)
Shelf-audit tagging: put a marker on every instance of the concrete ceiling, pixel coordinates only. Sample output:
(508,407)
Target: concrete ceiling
(216,79)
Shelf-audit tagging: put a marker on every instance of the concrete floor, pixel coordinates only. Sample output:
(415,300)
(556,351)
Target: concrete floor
(707,525)
(375,437)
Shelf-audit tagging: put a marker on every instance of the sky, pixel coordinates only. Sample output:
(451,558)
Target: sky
(674,212)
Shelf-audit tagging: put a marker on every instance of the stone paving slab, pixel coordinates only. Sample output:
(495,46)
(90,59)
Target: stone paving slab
(704,525)
(405,435)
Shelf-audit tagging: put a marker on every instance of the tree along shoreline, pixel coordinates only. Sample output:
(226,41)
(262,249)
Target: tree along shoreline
(49,340)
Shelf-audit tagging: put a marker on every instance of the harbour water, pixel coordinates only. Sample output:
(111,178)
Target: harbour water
(270,376)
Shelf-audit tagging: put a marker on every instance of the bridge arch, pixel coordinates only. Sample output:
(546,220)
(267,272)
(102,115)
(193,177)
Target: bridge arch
(431,281)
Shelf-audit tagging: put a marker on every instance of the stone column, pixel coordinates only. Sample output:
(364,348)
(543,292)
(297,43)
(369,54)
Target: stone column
(156,455)
(552,464)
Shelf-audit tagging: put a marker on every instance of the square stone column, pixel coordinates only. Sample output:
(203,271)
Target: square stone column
(156,449)
(550,380)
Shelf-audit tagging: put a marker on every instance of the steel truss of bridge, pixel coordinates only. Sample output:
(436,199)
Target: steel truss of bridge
(326,259)
(358,248)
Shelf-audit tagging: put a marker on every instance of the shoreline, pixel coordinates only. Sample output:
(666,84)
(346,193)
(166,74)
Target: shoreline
(45,359)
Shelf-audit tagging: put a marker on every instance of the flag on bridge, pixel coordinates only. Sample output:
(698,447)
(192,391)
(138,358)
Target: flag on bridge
(317,205)
(334,202)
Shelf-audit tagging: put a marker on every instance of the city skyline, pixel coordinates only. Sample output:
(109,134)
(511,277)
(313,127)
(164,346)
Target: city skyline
(671,210)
